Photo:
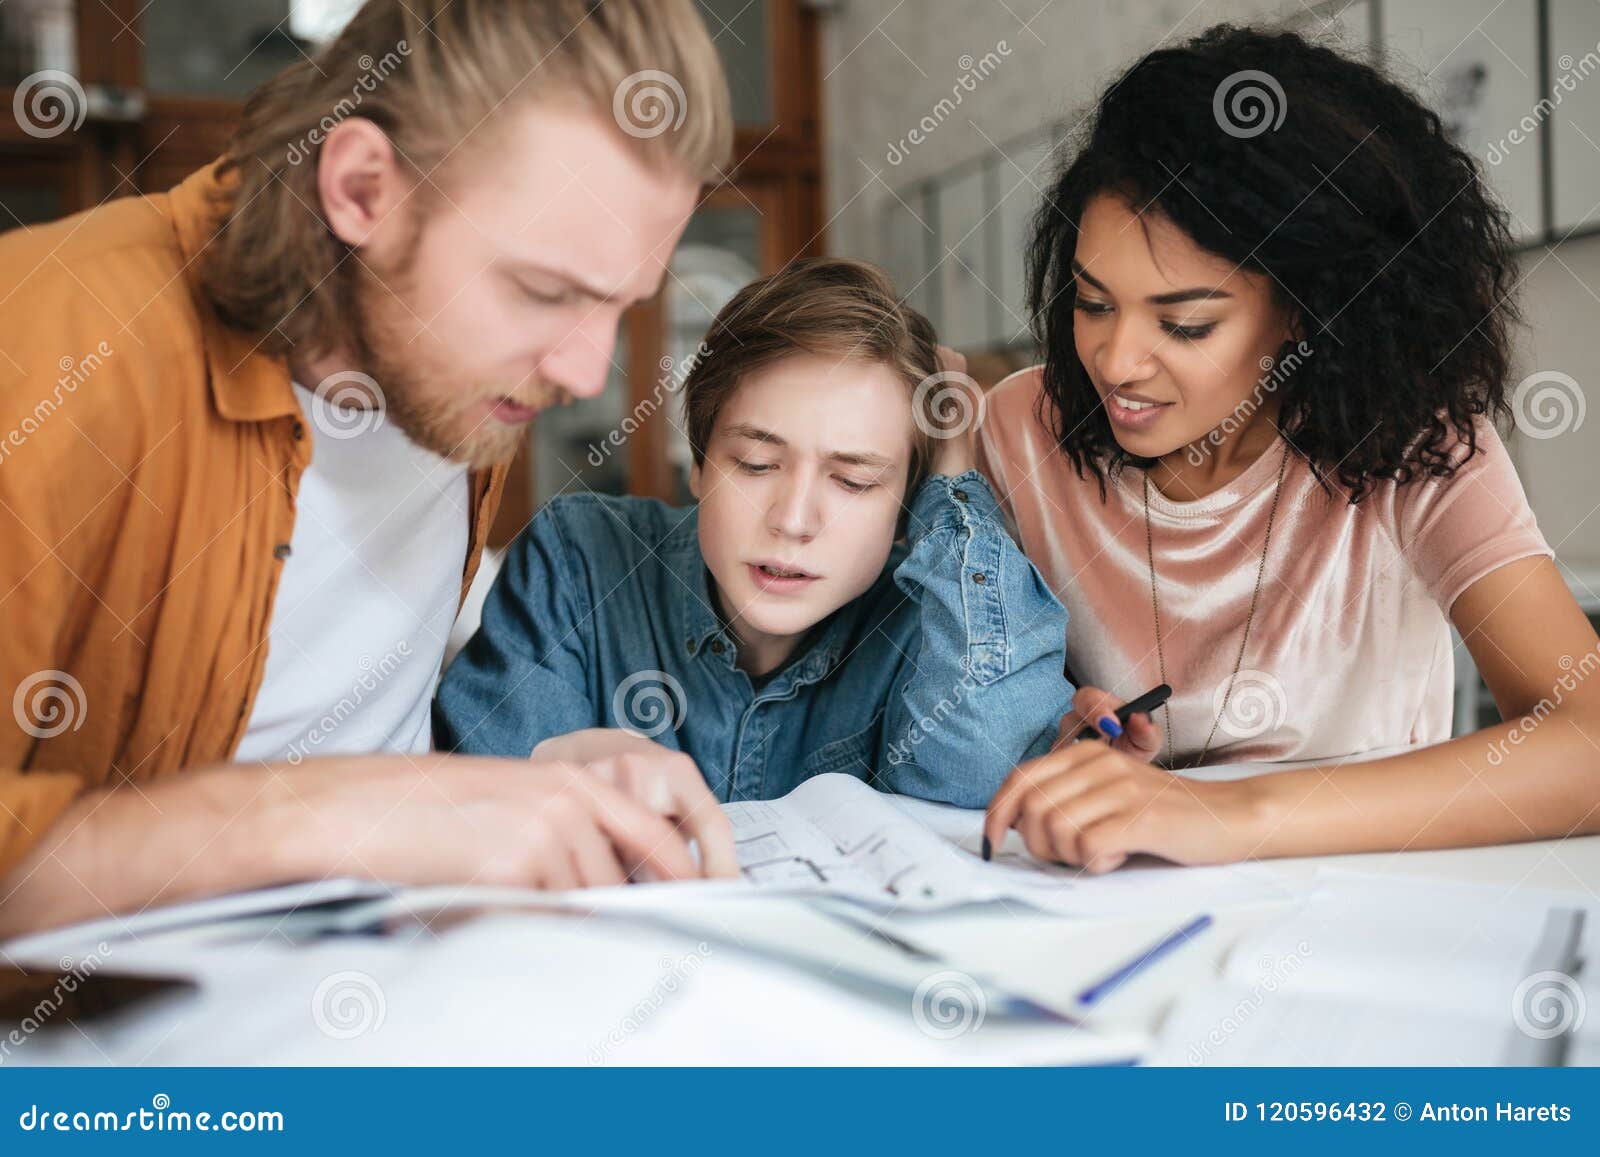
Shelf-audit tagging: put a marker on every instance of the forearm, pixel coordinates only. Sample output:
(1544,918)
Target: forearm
(207,831)
(1504,784)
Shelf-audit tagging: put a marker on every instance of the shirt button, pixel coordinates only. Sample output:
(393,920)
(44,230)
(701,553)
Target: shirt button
(980,578)
(688,645)
(299,431)
(717,647)
(282,551)
(959,495)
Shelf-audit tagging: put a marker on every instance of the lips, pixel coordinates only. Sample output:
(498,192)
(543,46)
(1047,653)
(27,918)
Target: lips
(779,577)
(1133,411)
(512,413)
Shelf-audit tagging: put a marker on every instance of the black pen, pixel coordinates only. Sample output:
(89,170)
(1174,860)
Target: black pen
(1143,705)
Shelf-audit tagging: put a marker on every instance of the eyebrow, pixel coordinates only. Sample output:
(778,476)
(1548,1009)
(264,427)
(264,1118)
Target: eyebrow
(1177,297)
(852,457)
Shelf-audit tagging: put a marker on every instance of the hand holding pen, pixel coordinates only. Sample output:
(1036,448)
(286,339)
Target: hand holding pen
(1127,727)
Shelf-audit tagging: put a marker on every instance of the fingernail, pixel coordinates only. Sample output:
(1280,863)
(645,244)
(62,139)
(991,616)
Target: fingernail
(1110,726)
(988,850)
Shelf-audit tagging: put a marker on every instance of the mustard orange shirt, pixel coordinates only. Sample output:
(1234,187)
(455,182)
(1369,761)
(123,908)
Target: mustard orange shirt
(1350,650)
(149,462)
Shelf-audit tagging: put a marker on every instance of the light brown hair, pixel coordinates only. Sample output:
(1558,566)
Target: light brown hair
(434,75)
(828,306)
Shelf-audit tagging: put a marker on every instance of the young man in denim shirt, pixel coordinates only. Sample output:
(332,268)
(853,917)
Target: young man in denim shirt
(776,630)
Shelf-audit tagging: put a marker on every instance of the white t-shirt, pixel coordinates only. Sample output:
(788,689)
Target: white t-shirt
(367,594)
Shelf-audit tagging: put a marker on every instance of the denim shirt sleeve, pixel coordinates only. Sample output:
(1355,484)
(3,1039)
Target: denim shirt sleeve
(521,679)
(984,689)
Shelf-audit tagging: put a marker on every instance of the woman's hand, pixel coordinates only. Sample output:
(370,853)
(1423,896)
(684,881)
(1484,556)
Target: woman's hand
(1092,707)
(1092,806)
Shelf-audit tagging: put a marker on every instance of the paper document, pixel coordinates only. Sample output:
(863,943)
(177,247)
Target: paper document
(834,833)
(1377,970)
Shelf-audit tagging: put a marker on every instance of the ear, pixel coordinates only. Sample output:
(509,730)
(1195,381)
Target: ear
(358,180)
(695,481)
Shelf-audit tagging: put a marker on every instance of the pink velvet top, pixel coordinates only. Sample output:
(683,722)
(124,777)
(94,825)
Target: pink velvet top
(1350,649)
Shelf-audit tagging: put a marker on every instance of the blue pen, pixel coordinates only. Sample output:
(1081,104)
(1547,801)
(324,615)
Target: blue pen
(1149,956)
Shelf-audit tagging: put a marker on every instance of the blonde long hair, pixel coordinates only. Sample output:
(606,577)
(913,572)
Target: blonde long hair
(432,74)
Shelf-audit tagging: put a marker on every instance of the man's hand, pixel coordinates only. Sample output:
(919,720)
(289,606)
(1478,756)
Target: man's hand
(664,781)
(424,820)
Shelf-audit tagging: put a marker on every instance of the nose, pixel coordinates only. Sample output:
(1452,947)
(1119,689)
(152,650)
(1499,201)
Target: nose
(1129,353)
(793,512)
(580,361)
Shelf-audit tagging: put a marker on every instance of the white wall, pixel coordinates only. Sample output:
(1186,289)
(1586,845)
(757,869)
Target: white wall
(888,64)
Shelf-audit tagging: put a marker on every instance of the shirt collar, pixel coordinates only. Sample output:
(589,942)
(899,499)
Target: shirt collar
(247,384)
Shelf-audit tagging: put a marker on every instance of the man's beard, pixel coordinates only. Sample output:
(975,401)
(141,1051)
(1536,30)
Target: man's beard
(441,413)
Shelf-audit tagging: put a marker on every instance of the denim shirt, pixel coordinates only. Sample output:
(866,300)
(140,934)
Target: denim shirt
(934,683)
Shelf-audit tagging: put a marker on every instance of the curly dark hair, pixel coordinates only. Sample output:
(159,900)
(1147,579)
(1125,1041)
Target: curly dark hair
(1374,228)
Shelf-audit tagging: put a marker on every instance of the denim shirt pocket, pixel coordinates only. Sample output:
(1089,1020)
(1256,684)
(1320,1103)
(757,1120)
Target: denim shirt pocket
(852,755)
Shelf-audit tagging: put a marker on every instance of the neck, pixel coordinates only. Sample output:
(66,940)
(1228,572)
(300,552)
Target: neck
(1209,463)
(759,654)
(349,391)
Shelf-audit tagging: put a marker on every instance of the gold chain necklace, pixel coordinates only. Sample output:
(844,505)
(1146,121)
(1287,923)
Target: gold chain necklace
(1255,598)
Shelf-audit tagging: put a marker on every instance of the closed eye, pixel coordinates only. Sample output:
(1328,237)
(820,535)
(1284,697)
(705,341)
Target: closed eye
(853,486)
(754,467)
(1189,332)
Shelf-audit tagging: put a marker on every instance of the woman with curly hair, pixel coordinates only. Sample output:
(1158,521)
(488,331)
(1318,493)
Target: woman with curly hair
(1259,464)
